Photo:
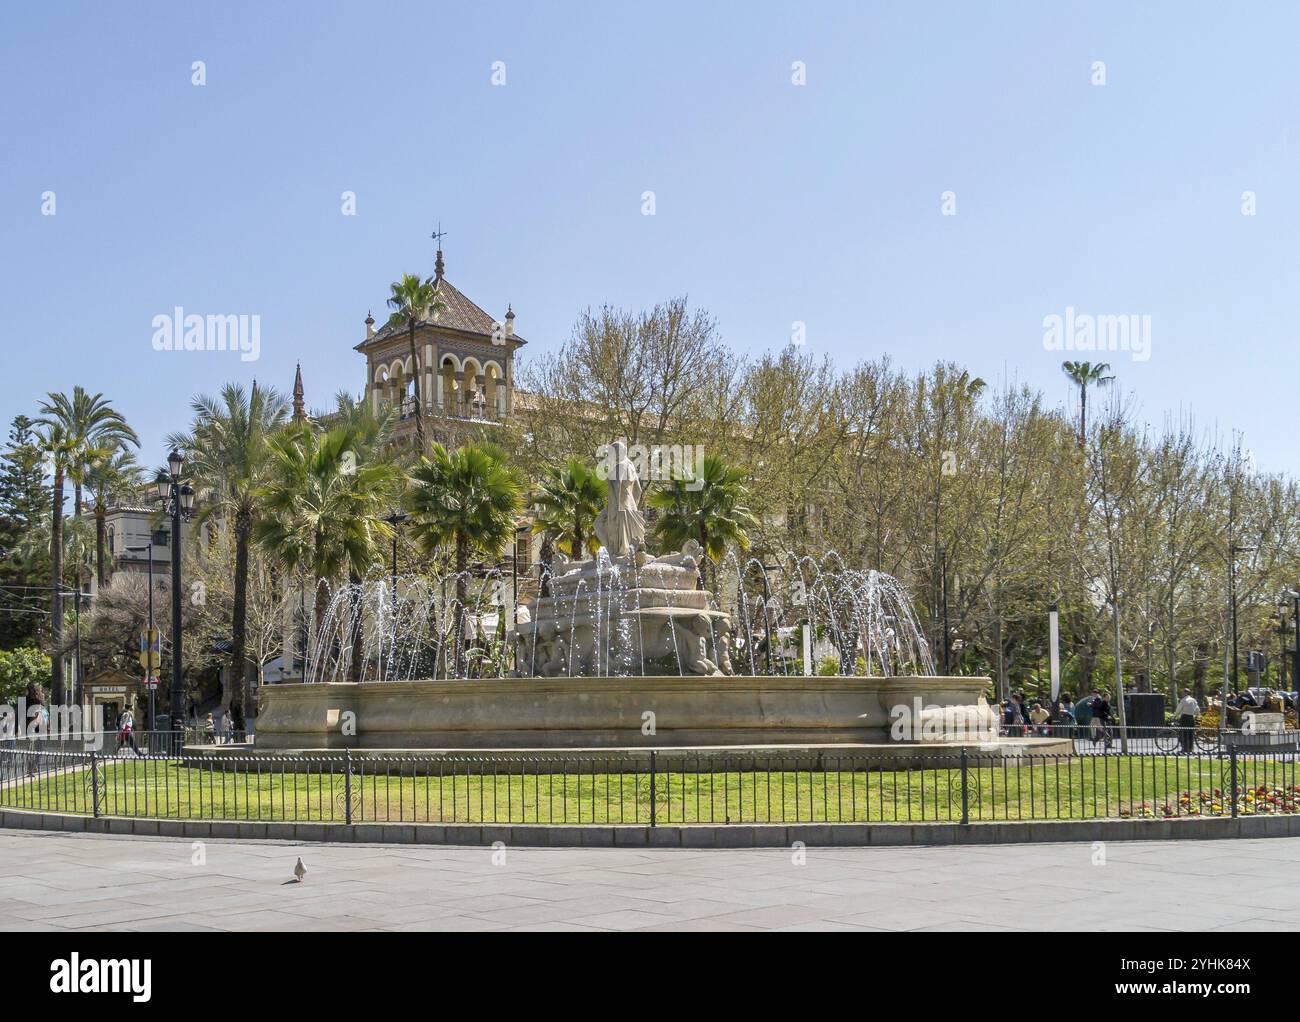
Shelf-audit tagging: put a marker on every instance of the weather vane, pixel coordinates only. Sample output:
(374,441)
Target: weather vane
(439,234)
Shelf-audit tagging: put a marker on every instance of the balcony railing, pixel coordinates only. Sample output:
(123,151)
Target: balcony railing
(453,410)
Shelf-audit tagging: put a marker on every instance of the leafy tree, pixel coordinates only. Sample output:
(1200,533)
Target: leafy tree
(24,509)
(20,669)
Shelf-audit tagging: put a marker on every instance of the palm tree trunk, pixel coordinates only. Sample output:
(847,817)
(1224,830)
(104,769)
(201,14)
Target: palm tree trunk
(546,556)
(415,392)
(56,591)
(462,600)
(704,555)
(355,637)
(1083,414)
(240,682)
(318,613)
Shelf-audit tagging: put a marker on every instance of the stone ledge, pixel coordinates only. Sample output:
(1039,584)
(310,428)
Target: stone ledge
(673,836)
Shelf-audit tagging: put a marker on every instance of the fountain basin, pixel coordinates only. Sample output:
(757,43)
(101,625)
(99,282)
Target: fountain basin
(619,712)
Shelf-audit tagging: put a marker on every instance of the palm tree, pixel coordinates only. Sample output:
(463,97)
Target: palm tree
(373,434)
(468,500)
(374,431)
(1084,375)
(73,433)
(324,506)
(108,478)
(413,300)
(564,512)
(229,455)
(711,509)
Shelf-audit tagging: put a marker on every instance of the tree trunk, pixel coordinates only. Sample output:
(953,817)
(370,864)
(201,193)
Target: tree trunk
(1199,660)
(704,556)
(546,556)
(415,392)
(57,694)
(319,607)
(240,683)
(462,598)
(355,637)
(1083,415)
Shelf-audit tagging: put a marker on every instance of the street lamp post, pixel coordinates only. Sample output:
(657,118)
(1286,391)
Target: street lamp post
(1281,631)
(176,498)
(395,518)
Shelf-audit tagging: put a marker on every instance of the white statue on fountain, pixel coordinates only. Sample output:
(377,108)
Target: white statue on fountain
(621,526)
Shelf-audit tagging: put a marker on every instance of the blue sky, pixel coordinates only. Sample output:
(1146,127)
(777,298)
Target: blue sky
(774,203)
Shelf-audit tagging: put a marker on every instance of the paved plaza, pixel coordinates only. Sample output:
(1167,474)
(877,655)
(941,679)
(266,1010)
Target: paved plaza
(78,881)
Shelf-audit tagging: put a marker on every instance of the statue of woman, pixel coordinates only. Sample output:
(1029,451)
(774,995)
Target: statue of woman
(621,526)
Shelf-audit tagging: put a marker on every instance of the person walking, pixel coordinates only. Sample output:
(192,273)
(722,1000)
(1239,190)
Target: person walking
(1101,718)
(1188,712)
(126,732)
(227,727)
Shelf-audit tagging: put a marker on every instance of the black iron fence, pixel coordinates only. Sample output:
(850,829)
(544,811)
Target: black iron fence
(649,788)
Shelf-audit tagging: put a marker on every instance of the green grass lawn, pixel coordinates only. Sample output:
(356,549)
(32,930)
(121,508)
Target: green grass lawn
(423,791)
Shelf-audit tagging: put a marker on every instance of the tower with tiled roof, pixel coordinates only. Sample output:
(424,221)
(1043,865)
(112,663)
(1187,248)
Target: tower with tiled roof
(464,358)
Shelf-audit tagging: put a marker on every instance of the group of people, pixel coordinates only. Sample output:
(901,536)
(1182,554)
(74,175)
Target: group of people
(1021,717)
(219,732)
(1092,713)
(1091,716)
(214,732)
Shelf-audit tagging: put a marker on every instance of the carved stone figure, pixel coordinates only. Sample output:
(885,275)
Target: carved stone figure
(621,526)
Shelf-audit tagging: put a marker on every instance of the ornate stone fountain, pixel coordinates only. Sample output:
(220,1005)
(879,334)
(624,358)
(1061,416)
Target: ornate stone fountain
(627,650)
(624,612)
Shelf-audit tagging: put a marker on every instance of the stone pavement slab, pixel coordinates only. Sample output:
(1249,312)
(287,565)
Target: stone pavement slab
(77,881)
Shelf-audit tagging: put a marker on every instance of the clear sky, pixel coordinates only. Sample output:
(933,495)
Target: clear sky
(775,203)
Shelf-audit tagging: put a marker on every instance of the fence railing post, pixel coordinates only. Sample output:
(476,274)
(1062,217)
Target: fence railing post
(965,791)
(1232,760)
(653,789)
(347,786)
(94,783)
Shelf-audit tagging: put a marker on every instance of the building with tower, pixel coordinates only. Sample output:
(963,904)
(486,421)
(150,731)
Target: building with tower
(463,363)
